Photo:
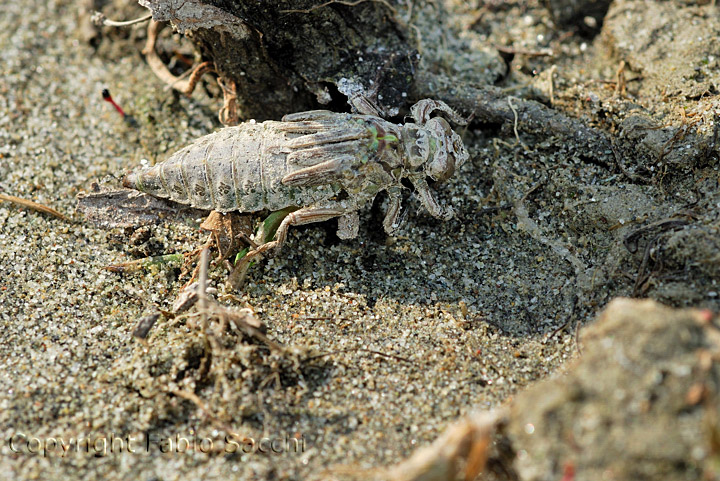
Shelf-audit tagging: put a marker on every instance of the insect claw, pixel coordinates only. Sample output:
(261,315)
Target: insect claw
(365,106)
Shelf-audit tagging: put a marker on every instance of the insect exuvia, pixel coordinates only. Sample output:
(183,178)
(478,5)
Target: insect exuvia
(328,164)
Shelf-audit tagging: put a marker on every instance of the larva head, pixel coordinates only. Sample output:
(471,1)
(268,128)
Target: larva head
(435,147)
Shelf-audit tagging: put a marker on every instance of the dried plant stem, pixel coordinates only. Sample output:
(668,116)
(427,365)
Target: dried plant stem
(34,206)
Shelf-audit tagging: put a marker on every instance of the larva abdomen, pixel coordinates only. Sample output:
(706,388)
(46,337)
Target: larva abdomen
(237,168)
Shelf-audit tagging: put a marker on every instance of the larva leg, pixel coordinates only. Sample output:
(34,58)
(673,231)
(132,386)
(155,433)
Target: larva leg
(422,110)
(428,200)
(363,105)
(391,223)
(306,215)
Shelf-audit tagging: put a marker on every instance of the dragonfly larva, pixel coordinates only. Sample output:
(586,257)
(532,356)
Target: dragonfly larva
(327,164)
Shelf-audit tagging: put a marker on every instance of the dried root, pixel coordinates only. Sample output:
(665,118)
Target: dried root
(99,19)
(184,85)
(228,114)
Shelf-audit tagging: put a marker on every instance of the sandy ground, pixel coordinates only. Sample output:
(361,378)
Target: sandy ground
(72,370)
(387,340)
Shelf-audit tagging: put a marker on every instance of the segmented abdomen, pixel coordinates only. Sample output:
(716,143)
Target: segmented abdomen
(237,168)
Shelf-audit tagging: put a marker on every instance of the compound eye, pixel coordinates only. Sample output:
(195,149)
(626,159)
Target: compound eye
(442,167)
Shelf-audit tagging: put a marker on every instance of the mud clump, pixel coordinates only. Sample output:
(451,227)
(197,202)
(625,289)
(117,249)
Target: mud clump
(641,403)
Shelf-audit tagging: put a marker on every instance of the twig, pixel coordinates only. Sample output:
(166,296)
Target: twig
(557,331)
(620,84)
(657,229)
(190,396)
(529,53)
(239,321)
(359,349)
(34,206)
(208,340)
(193,77)
(618,160)
(99,19)
(342,2)
(642,277)
(672,223)
(536,232)
(228,114)
(188,256)
(207,308)
(195,399)
(197,72)
(202,284)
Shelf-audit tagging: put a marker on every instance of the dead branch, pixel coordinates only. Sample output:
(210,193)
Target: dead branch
(490,104)
(34,206)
